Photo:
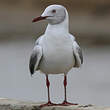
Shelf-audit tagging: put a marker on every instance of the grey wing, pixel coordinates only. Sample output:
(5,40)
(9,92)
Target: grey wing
(77,54)
(35,59)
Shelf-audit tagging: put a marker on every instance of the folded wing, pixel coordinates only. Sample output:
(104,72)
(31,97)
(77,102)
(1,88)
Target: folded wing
(35,59)
(77,54)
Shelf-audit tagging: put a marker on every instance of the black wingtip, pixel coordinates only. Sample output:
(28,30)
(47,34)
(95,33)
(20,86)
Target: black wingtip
(31,67)
(32,64)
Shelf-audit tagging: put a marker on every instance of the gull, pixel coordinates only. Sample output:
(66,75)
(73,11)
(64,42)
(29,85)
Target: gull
(56,51)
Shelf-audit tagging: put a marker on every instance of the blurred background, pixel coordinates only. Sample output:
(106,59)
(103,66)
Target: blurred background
(89,23)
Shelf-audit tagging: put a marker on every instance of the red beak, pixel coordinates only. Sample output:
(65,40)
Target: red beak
(39,18)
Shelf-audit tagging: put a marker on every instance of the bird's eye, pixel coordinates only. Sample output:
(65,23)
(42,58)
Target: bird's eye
(54,11)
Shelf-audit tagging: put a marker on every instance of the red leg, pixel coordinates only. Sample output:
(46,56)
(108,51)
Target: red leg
(65,103)
(49,103)
(65,84)
(48,85)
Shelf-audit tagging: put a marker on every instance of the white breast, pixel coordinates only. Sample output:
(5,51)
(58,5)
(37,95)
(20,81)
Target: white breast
(57,55)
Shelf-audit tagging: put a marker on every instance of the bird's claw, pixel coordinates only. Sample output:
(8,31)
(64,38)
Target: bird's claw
(65,103)
(47,104)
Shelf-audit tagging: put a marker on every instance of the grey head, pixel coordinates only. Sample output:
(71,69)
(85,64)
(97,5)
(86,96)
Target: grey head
(54,14)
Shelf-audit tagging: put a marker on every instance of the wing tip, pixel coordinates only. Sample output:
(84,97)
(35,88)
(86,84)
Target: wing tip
(32,63)
(31,67)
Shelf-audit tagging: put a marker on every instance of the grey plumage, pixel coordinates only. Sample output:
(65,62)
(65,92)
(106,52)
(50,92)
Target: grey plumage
(56,51)
(60,50)
(35,59)
(77,52)
(80,56)
(32,62)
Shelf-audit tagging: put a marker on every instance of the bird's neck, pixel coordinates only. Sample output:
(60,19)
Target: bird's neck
(61,27)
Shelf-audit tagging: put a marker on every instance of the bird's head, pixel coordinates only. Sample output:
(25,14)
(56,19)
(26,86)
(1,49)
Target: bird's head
(54,14)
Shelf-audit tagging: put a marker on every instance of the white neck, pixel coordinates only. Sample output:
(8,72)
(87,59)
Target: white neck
(63,26)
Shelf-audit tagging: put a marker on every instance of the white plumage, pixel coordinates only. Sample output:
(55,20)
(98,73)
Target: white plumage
(56,51)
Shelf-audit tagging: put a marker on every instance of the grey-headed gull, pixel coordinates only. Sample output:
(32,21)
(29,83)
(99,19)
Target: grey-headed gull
(56,51)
